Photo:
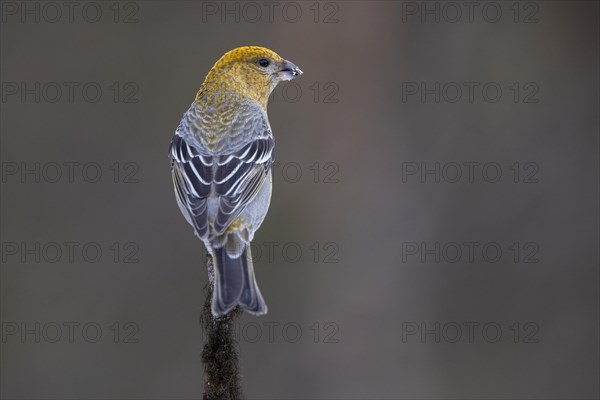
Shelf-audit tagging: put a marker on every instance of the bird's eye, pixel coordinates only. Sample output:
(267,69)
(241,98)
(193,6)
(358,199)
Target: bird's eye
(263,62)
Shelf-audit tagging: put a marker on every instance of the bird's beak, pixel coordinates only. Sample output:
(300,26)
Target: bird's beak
(289,71)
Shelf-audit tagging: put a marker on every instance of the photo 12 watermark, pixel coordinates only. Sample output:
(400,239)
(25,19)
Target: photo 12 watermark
(470,332)
(470,252)
(470,12)
(319,172)
(317,92)
(471,172)
(70,172)
(70,92)
(327,92)
(69,332)
(289,332)
(293,252)
(69,252)
(470,92)
(252,12)
(69,12)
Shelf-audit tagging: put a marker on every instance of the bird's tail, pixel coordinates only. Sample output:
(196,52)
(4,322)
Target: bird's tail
(235,283)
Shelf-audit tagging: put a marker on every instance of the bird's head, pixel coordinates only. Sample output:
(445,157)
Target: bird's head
(249,73)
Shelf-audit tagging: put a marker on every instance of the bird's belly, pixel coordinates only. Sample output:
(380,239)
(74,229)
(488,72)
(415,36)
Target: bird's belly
(256,210)
(253,214)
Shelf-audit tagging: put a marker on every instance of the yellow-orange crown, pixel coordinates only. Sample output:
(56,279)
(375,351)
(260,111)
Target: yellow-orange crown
(235,72)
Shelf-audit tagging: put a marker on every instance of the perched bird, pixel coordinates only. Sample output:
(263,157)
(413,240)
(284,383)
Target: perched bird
(221,156)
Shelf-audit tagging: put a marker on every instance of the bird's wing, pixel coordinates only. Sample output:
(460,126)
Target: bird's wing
(239,177)
(192,178)
(233,178)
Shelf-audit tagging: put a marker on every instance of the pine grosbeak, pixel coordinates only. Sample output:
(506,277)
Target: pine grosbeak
(221,157)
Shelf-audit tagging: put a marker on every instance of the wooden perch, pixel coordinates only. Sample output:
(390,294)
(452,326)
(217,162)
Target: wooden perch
(220,354)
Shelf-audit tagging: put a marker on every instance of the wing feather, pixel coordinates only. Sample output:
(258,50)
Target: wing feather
(233,178)
(239,180)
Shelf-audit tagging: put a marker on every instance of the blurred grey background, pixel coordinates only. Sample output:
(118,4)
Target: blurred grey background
(365,257)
